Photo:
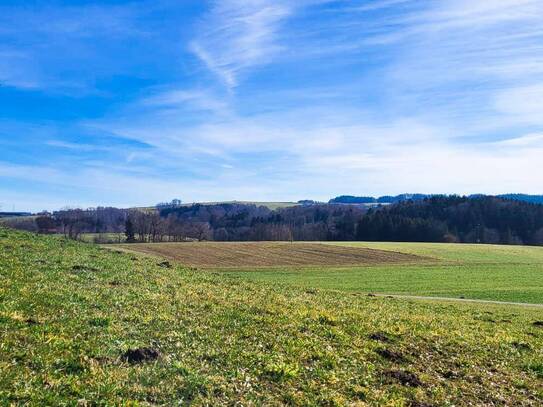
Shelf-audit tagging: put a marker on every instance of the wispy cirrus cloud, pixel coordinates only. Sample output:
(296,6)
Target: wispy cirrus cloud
(522,104)
(457,48)
(531,140)
(16,70)
(238,35)
(193,99)
(307,99)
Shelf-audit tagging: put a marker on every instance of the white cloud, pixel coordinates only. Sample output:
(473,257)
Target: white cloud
(238,35)
(455,74)
(523,104)
(77,146)
(199,99)
(307,153)
(16,70)
(528,141)
(378,5)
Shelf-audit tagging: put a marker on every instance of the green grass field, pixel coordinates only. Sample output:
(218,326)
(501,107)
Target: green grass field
(73,316)
(501,273)
(103,238)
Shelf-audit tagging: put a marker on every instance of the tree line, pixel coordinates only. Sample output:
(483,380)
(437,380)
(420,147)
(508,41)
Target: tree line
(434,219)
(387,199)
(456,219)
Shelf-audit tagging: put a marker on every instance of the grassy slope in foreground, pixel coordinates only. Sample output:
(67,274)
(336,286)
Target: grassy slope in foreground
(68,312)
(488,272)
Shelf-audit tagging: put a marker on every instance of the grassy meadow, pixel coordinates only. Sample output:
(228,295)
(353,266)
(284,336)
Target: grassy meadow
(80,324)
(486,272)
(103,238)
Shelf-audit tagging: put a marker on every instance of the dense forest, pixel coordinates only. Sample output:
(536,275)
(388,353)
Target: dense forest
(455,219)
(480,219)
(434,219)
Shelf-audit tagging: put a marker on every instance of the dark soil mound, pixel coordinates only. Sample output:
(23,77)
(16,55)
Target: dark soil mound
(78,268)
(451,374)
(141,355)
(420,404)
(404,377)
(390,355)
(380,336)
(165,264)
(521,345)
(32,321)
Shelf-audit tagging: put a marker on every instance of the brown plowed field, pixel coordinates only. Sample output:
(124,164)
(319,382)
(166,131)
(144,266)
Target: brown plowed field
(270,254)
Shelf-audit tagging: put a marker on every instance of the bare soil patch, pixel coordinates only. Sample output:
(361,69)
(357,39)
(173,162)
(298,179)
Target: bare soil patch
(390,355)
(405,378)
(78,268)
(271,254)
(141,355)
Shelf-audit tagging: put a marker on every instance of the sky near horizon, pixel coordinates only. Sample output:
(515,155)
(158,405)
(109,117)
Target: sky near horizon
(129,103)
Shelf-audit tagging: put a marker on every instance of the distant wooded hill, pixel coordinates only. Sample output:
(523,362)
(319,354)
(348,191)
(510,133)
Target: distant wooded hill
(524,198)
(387,199)
(455,219)
(13,214)
(433,219)
(475,219)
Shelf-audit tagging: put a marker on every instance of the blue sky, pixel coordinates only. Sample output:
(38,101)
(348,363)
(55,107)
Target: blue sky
(135,102)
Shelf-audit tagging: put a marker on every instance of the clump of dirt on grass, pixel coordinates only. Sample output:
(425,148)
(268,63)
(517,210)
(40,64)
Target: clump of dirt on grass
(165,264)
(32,321)
(390,355)
(539,324)
(404,377)
(451,374)
(141,355)
(420,404)
(78,268)
(521,345)
(380,337)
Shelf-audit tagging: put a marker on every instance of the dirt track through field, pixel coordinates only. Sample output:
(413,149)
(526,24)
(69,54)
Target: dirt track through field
(450,299)
(268,254)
